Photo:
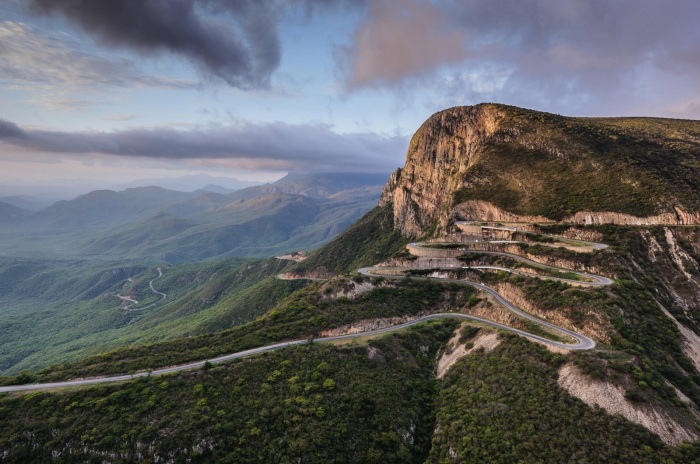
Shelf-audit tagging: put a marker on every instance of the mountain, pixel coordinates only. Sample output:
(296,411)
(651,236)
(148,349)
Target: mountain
(27,202)
(192,182)
(261,226)
(318,185)
(175,226)
(11,214)
(498,162)
(105,208)
(588,224)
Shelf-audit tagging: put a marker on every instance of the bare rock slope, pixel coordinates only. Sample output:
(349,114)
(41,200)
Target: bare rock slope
(499,162)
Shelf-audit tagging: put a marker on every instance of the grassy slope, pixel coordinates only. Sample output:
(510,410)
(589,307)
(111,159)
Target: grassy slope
(351,404)
(368,241)
(302,314)
(51,329)
(545,164)
(78,317)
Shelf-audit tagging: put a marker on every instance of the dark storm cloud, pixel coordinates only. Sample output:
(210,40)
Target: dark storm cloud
(236,40)
(257,146)
(243,51)
(10,130)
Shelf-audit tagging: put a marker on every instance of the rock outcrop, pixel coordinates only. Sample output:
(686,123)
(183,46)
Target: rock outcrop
(444,148)
(497,163)
(611,398)
(479,210)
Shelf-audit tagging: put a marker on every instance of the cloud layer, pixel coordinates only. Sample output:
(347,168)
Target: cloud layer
(252,146)
(235,40)
(551,55)
(399,38)
(578,54)
(31,58)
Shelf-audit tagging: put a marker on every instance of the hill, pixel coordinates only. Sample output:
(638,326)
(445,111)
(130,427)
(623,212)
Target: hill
(314,185)
(105,208)
(441,391)
(54,312)
(10,214)
(496,162)
(176,227)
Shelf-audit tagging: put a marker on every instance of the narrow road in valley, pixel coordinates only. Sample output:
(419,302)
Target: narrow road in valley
(162,295)
(581,341)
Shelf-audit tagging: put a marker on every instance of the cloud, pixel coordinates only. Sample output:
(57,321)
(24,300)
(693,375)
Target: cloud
(29,59)
(399,39)
(10,130)
(309,147)
(235,40)
(590,53)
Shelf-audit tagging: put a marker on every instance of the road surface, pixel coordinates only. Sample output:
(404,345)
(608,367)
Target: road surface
(581,341)
(163,296)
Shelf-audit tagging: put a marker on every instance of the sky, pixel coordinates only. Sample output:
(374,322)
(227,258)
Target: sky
(96,93)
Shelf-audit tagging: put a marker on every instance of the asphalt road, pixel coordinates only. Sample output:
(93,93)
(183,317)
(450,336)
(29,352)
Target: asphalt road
(596,246)
(591,279)
(582,342)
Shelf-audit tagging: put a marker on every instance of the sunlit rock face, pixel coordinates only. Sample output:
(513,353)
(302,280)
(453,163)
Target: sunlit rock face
(500,163)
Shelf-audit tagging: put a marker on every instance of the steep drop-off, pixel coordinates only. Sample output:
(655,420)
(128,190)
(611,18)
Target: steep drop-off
(496,162)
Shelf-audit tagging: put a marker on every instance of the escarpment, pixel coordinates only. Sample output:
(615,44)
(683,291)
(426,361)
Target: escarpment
(440,154)
(501,163)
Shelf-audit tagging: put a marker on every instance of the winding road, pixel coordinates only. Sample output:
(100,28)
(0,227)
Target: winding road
(163,296)
(581,341)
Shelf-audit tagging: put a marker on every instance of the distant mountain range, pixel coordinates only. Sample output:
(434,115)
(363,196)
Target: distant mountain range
(298,211)
(191,183)
(440,392)
(31,193)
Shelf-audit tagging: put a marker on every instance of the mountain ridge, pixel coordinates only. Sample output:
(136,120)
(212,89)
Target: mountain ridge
(634,398)
(508,163)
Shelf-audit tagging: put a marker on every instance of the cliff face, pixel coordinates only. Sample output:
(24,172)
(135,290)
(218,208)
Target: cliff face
(499,163)
(444,148)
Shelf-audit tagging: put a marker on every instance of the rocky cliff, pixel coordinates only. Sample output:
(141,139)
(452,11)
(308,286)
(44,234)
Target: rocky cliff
(495,162)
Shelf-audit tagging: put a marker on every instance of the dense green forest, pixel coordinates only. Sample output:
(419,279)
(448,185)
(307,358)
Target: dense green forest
(377,401)
(314,404)
(506,407)
(300,315)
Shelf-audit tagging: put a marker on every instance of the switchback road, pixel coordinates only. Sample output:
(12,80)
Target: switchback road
(581,341)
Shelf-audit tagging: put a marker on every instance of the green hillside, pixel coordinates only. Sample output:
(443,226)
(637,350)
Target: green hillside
(258,227)
(53,315)
(369,240)
(359,404)
(439,392)
(550,165)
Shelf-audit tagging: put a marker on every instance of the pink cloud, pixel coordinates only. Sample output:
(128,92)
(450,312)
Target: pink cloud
(399,39)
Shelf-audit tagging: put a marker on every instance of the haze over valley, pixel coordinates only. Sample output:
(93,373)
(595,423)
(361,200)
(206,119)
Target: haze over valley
(349,231)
